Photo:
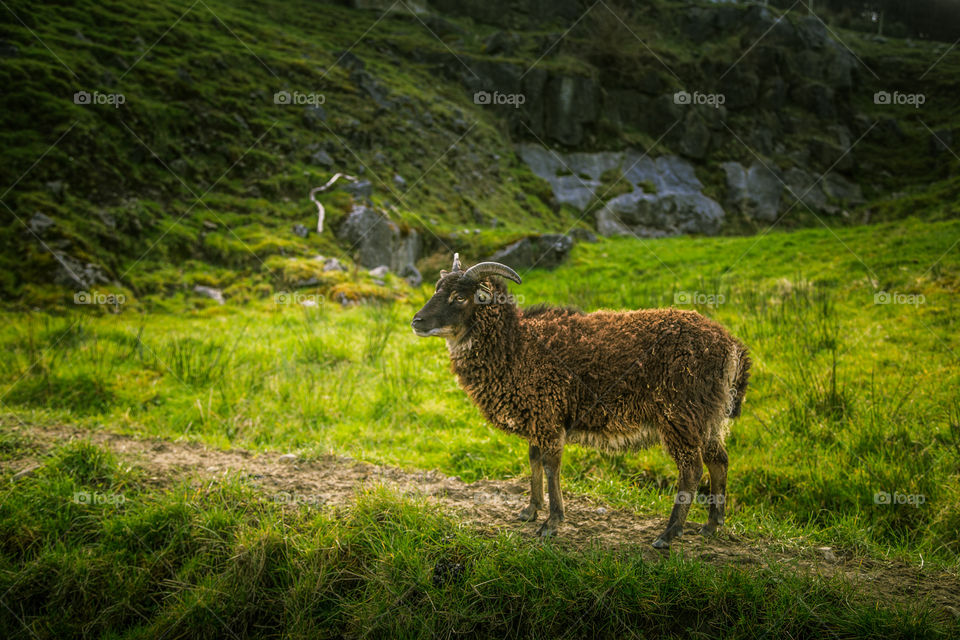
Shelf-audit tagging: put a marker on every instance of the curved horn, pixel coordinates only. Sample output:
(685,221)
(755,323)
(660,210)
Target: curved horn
(481,269)
(456,262)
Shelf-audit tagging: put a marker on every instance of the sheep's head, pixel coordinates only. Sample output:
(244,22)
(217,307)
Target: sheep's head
(449,313)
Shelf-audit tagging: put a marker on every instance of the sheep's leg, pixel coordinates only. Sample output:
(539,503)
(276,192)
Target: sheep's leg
(690,467)
(551,464)
(715,457)
(537,502)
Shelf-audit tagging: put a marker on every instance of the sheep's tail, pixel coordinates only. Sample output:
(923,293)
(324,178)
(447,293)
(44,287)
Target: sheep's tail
(740,381)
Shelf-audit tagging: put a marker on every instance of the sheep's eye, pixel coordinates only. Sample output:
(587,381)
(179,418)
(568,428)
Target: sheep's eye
(459,298)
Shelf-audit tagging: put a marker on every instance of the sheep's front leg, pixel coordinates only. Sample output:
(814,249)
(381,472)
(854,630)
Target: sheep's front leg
(529,514)
(551,463)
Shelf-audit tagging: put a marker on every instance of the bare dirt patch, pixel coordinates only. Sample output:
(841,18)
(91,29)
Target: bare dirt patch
(491,506)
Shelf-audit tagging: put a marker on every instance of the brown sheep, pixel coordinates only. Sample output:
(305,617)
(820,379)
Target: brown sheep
(608,379)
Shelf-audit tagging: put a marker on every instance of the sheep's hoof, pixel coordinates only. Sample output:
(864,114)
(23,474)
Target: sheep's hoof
(663,541)
(529,514)
(548,529)
(708,530)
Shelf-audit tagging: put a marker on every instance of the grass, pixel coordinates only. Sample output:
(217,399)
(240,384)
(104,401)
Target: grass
(88,548)
(841,405)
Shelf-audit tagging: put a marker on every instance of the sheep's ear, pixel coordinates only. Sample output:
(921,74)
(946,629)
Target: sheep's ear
(444,273)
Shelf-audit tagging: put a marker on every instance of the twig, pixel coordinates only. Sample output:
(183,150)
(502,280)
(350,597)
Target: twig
(320,209)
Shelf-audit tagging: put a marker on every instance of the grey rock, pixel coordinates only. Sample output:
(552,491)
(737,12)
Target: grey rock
(39,223)
(313,115)
(412,275)
(57,188)
(838,188)
(300,231)
(332,264)
(545,251)
(312,281)
(367,83)
(754,191)
(378,240)
(322,157)
(359,189)
(694,137)
(399,181)
(674,203)
(583,235)
(76,274)
(209,292)
(380,272)
(804,190)
(349,60)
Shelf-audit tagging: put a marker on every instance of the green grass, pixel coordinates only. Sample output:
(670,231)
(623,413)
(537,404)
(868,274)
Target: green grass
(848,398)
(88,549)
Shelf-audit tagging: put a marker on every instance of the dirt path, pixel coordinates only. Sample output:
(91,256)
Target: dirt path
(491,505)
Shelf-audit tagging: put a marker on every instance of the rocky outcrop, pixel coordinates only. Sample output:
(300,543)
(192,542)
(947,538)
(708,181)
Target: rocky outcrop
(379,241)
(754,192)
(665,196)
(545,252)
(763,193)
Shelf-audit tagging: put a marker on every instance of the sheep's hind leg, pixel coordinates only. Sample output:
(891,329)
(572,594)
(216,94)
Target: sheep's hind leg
(529,514)
(715,457)
(551,463)
(690,467)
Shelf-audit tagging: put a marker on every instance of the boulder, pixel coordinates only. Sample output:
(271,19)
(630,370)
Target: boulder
(209,292)
(666,197)
(73,273)
(378,240)
(754,192)
(838,188)
(545,251)
(300,231)
(39,223)
(804,188)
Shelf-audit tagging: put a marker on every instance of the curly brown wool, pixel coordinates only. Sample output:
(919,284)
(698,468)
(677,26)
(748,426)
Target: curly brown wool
(611,380)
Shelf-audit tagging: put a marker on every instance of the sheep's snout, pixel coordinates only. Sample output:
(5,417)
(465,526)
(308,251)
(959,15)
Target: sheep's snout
(421,328)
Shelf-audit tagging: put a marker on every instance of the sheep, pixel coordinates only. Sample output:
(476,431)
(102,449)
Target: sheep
(608,379)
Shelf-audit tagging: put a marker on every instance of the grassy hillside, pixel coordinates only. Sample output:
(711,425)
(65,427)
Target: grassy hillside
(199,176)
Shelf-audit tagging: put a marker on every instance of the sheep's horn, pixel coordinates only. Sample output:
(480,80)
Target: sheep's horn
(481,269)
(456,262)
